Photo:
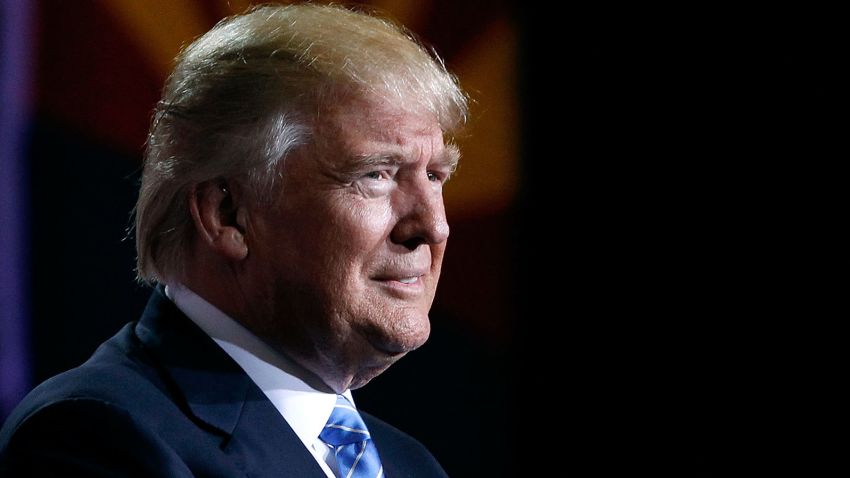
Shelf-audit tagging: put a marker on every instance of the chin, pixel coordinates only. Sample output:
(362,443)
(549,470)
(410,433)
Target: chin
(366,374)
(401,335)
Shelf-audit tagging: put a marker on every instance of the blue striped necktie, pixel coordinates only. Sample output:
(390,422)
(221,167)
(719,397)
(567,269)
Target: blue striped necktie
(346,434)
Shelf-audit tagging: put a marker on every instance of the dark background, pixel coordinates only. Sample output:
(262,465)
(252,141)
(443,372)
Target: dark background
(651,303)
(690,156)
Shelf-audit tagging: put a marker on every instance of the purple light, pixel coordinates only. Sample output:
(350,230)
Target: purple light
(16,39)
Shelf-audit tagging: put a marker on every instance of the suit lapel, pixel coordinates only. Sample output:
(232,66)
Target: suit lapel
(266,444)
(392,463)
(220,397)
(401,455)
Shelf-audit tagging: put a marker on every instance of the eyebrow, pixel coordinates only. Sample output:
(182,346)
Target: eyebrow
(450,157)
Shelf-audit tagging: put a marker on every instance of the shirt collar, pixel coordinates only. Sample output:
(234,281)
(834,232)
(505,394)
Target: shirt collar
(302,406)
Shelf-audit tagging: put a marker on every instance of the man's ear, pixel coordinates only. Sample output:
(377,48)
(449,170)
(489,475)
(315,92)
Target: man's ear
(220,217)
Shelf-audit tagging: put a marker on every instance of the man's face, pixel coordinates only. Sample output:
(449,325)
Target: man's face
(349,257)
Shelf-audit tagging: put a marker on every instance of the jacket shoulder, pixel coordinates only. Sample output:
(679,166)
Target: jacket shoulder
(401,454)
(116,415)
(118,373)
(85,437)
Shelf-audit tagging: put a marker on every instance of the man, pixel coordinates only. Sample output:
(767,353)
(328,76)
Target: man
(291,214)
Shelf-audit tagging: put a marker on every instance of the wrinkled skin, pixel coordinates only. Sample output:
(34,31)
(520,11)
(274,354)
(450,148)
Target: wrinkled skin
(342,270)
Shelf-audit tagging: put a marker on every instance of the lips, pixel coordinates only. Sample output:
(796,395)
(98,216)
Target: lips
(403,283)
(405,277)
(404,273)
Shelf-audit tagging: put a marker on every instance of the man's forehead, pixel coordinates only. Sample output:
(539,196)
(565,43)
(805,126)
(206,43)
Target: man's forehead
(359,132)
(371,109)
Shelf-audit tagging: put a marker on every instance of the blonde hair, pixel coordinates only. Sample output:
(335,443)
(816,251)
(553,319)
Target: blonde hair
(241,97)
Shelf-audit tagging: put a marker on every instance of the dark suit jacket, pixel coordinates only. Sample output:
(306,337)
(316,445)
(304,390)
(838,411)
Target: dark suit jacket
(160,398)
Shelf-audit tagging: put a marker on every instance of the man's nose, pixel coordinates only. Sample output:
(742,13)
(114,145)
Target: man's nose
(422,216)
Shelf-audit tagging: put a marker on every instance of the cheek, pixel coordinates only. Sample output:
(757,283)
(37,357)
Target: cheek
(360,229)
(375,220)
(333,245)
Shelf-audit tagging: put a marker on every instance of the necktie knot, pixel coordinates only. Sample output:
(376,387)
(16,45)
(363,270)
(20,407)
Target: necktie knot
(345,426)
(346,433)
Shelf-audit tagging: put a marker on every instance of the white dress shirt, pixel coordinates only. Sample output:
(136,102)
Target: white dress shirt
(302,406)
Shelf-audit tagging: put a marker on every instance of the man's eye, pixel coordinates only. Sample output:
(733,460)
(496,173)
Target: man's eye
(433,177)
(374,175)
